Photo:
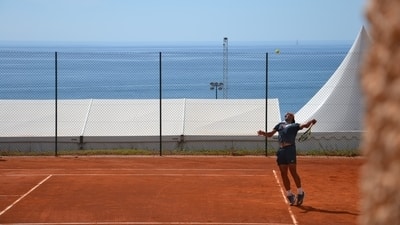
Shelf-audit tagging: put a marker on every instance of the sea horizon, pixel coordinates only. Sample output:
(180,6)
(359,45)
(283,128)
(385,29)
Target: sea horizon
(100,72)
(151,46)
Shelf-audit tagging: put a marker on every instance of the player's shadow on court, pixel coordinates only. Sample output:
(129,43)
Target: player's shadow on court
(312,209)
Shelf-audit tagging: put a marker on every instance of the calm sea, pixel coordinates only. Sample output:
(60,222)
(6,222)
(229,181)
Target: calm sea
(133,71)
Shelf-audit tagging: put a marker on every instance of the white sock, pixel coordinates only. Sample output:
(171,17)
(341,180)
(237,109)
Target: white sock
(300,191)
(289,193)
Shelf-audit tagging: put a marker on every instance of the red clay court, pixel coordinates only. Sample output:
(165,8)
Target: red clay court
(156,190)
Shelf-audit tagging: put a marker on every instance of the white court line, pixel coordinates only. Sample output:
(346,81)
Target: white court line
(132,169)
(144,174)
(284,198)
(23,196)
(165,175)
(151,223)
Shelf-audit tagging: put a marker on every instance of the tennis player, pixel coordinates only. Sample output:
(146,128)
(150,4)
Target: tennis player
(286,155)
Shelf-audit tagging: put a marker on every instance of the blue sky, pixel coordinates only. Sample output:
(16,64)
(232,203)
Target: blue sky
(180,20)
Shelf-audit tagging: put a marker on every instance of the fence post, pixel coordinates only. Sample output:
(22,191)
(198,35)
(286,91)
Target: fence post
(56,107)
(160,95)
(266,102)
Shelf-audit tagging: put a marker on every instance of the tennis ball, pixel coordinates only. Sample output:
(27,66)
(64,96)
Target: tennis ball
(277,51)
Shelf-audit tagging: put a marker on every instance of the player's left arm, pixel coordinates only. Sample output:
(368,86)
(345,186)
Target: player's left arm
(308,124)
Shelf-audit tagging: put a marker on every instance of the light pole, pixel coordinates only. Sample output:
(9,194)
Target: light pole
(225,67)
(217,86)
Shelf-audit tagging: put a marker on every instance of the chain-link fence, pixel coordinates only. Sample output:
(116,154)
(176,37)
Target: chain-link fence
(144,100)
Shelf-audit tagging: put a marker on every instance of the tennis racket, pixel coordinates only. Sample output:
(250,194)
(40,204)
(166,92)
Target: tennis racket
(306,135)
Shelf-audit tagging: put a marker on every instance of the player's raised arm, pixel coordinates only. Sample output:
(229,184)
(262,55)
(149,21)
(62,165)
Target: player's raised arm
(308,124)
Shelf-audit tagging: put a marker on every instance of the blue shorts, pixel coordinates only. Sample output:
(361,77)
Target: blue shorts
(286,155)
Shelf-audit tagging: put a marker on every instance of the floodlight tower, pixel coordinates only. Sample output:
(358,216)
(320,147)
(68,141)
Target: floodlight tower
(225,68)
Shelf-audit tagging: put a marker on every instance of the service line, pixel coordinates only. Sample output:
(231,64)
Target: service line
(23,196)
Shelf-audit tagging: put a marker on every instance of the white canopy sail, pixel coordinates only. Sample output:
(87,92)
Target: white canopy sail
(338,105)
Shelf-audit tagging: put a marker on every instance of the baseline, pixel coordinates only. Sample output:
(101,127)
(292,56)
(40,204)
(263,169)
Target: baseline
(154,223)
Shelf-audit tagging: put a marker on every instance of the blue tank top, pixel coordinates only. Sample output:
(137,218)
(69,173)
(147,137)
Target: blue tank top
(287,132)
